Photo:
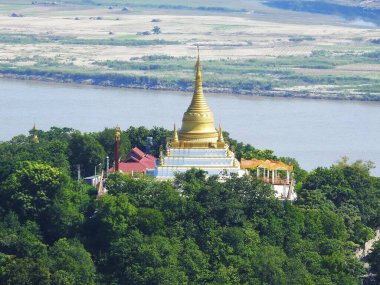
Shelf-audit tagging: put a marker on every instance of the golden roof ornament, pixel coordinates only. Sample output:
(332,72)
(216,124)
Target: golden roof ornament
(117,132)
(161,158)
(198,121)
(220,134)
(35,139)
(175,134)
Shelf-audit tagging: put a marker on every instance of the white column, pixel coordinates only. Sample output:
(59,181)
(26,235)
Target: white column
(272,176)
(257,172)
(287,177)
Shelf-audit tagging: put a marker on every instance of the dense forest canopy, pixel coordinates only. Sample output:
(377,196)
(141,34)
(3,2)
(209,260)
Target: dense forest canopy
(196,230)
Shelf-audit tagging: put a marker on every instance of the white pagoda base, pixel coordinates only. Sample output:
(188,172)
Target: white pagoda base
(220,162)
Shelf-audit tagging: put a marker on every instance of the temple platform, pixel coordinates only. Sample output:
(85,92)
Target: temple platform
(220,162)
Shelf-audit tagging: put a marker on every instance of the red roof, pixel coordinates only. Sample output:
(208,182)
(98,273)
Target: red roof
(132,166)
(149,161)
(139,152)
(129,167)
(140,164)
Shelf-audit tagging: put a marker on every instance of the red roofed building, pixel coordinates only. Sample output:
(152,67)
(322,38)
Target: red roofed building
(137,163)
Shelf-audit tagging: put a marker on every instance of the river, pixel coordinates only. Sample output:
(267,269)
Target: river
(315,132)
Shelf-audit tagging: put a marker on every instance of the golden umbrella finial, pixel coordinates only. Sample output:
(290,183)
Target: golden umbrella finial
(35,139)
(175,134)
(117,132)
(220,134)
(198,66)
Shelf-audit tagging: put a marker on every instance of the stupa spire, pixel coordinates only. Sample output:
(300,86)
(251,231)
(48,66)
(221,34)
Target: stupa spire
(175,134)
(35,139)
(198,120)
(198,103)
(220,134)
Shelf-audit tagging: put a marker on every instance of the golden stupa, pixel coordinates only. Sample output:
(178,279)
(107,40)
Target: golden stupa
(198,144)
(198,121)
(198,126)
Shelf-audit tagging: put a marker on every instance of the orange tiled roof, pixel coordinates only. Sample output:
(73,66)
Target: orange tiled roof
(268,164)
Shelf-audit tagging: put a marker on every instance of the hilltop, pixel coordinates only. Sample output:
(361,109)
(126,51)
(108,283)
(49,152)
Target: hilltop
(53,229)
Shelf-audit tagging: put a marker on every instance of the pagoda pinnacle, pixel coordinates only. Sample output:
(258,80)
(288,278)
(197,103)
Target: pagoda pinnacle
(117,132)
(35,139)
(220,134)
(175,134)
(198,120)
(198,103)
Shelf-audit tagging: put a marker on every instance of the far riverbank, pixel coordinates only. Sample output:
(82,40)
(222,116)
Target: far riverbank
(154,84)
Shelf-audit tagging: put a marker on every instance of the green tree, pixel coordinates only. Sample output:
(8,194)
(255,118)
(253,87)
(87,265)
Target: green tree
(52,152)
(66,215)
(268,265)
(374,260)
(146,260)
(113,215)
(30,190)
(149,221)
(333,226)
(12,152)
(194,262)
(107,139)
(296,273)
(61,277)
(137,137)
(69,256)
(23,271)
(86,151)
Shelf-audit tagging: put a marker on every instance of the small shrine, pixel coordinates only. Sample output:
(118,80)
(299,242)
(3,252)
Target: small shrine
(276,173)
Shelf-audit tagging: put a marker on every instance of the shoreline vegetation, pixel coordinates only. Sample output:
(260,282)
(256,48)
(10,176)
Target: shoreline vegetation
(76,79)
(154,84)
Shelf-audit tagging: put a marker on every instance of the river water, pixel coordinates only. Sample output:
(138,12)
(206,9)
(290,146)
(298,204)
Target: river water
(315,132)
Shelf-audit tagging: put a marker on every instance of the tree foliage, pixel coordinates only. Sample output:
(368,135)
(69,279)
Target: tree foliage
(197,230)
